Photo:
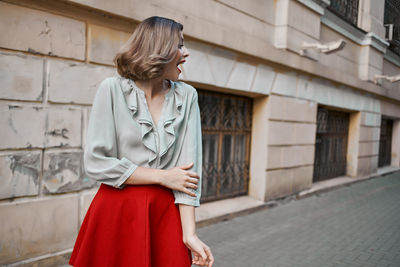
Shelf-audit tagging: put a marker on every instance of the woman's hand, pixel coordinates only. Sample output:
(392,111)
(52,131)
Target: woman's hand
(179,178)
(201,252)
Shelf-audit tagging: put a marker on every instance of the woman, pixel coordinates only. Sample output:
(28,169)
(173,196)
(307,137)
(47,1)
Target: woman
(144,146)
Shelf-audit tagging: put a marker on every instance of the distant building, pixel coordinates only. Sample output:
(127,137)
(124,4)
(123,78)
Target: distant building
(282,108)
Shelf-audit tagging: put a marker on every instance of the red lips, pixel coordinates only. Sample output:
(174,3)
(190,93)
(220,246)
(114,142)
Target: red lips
(180,62)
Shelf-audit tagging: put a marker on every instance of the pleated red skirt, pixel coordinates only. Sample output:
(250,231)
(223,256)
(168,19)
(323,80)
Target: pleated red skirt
(136,226)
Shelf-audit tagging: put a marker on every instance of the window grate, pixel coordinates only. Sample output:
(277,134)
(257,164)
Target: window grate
(392,16)
(346,9)
(226,130)
(330,144)
(385,143)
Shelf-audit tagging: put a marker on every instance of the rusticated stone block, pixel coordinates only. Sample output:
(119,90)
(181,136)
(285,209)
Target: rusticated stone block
(263,79)
(285,84)
(370,119)
(302,178)
(53,260)
(198,69)
(242,76)
(305,133)
(281,133)
(105,43)
(303,19)
(367,165)
(19,174)
(86,200)
(368,149)
(86,116)
(221,62)
(41,32)
(283,182)
(63,172)
(369,133)
(39,127)
(21,127)
(21,77)
(64,127)
(291,133)
(292,109)
(370,64)
(75,82)
(290,156)
(37,227)
(351,53)
(279,183)
(263,10)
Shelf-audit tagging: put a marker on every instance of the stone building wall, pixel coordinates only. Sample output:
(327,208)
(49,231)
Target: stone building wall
(54,54)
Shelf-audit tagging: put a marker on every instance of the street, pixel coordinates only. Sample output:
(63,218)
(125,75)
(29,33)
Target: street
(355,225)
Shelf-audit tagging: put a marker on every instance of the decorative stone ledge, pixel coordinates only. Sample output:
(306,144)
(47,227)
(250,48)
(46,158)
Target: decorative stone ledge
(212,212)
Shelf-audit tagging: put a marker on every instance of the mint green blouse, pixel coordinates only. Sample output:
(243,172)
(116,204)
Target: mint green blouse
(122,135)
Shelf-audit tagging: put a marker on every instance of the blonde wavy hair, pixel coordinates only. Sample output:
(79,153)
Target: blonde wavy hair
(153,44)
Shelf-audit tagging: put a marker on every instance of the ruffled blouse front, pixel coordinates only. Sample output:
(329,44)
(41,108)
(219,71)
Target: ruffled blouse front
(122,135)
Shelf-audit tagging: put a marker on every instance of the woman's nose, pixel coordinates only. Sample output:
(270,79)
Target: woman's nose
(185,52)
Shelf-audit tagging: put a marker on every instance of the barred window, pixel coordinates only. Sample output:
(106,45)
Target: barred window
(385,143)
(346,9)
(330,144)
(226,129)
(392,16)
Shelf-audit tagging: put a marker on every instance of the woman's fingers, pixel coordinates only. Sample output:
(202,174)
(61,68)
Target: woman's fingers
(193,175)
(190,193)
(210,256)
(186,167)
(179,178)
(193,181)
(199,260)
(191,185)
(203,256)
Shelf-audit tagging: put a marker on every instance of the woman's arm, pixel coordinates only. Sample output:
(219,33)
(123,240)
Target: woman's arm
(177,178)
(202,253)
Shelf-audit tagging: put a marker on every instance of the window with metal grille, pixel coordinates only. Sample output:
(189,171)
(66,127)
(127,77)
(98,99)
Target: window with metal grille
(392,23)
(385,143)
(330,144)
(226,129)
(346,9)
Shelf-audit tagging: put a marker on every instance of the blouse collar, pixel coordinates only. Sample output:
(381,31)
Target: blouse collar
(173,102)
(131,91)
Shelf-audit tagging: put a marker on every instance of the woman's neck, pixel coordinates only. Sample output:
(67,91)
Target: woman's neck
(153,87)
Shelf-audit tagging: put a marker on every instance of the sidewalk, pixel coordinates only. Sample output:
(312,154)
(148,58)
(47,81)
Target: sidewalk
(355,225)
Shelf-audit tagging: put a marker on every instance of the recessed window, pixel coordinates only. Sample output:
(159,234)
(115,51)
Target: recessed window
(226,129)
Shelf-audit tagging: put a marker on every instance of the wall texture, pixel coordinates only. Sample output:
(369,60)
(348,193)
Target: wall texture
(54,54)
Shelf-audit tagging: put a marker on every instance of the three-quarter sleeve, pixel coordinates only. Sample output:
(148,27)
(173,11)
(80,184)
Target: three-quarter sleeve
(191,152)
(100,153)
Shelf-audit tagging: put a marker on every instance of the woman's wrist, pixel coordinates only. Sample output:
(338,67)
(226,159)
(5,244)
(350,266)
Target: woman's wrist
(188,221)
(143,175)
(187,236)
(161,176)
(189,232)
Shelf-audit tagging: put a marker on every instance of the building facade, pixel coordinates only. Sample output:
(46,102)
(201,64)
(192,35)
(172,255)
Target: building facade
(282,107)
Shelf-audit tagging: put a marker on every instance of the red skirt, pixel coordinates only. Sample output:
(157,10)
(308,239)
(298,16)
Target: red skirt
(136,226)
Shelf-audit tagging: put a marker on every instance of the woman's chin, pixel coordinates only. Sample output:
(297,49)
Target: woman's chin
(172,76)
(175,79)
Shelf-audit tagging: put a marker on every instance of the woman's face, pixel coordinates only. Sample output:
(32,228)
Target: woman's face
(174,68)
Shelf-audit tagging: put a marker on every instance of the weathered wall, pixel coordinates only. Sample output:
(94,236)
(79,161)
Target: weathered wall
(54,54)
(47,85)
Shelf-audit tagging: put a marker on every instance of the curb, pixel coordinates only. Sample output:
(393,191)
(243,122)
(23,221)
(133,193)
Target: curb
(293,197)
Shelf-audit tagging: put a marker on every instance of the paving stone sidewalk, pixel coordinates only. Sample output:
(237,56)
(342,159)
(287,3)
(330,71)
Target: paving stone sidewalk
(356,225)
